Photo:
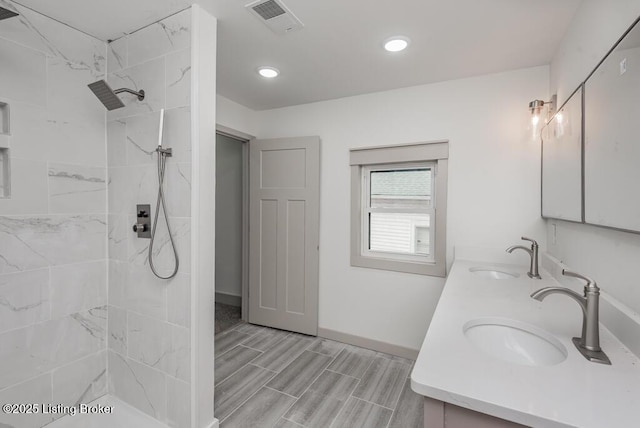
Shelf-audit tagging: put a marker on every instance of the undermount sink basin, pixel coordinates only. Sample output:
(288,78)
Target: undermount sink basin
(492,273)
(515,342)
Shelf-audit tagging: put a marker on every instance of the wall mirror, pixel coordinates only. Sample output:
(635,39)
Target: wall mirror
(612,137)
(562,162)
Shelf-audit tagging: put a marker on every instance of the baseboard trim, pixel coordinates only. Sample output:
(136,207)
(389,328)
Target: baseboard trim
(214,424)
(363,342)
(228,299)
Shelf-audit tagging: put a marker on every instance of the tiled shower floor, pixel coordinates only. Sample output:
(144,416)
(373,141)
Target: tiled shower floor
(123,416)
(272,378)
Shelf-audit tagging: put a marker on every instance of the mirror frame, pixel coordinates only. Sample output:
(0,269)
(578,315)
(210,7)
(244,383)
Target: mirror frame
(584,97)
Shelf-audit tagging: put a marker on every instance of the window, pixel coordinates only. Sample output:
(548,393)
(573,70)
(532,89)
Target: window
(397,201)
(399,208)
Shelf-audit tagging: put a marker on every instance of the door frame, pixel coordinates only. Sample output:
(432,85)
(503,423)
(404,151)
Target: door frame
(244,139)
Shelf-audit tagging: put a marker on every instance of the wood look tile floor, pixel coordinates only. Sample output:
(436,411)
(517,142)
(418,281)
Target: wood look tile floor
(271,378)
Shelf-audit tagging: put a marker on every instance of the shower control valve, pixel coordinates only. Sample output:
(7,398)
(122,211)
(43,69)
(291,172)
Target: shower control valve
(143,222)
(139,227)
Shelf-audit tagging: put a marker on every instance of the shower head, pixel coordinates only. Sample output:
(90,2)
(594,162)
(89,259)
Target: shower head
(106,95)
(109,97)
(6,13)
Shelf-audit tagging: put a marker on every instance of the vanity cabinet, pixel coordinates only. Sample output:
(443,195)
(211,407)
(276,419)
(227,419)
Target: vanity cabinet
(438,414)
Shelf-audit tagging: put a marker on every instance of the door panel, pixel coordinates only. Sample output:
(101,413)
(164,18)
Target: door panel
(284,207)
(274,177)
(268,253)
(295,256)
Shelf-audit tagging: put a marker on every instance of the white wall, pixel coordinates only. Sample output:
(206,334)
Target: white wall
(494,183)
(235,116)
(610,257)
(203,129)
(229,167)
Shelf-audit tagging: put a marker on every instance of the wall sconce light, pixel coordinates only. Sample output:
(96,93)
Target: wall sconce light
(536,108)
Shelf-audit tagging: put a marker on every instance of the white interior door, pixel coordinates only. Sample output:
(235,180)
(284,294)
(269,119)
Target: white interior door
(284,206)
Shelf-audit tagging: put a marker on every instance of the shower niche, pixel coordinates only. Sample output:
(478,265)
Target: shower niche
(5,132)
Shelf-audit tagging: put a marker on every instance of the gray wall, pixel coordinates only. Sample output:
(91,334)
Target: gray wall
(53,229)
(229,167)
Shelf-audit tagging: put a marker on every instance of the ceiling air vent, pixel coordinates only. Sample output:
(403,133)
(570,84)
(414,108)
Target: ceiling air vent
(275,15)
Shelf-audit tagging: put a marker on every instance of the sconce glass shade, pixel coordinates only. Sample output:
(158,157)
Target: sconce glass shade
(560,124)
(535,127)
(535,107)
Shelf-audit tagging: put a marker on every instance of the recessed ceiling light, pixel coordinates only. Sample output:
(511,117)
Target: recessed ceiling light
(396,43)
(268,72)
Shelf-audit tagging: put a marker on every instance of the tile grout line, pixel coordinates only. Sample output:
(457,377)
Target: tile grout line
(246,364)
(347,399)
(357,398)
(395,409)
(289,361)
(352,377)
(261,368)
(241,404)
(295,399)
(316,378)
(258,390)
(236,345)
(256,334)
(306,389)
(354,389)
(397,399)
(401,391)
(371,402)
(293,422)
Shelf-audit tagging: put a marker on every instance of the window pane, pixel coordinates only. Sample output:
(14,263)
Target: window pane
(400,233)
(402,188)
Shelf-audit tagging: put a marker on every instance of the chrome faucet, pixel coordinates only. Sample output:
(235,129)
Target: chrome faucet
(589,343)
(533,253)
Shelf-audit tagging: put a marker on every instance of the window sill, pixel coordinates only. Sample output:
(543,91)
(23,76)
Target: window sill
(430,269)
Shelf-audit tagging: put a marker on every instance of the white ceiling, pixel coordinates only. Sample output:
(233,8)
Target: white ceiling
(339,51)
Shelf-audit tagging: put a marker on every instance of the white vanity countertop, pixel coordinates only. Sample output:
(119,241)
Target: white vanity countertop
(575,392)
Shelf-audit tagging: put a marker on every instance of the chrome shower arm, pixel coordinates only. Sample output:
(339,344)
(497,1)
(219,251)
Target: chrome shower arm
(139,94)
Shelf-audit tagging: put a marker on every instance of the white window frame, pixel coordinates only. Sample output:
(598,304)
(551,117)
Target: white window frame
(365,160)
(366,209)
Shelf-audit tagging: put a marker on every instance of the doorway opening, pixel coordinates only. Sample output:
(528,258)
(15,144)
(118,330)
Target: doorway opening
(267,232)
(231,230)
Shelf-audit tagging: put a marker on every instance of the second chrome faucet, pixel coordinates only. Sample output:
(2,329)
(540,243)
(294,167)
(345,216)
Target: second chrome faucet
(589,342)
(533,253)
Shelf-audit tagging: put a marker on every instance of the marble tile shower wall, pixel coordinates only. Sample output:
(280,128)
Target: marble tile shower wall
(149,332)
(53,228)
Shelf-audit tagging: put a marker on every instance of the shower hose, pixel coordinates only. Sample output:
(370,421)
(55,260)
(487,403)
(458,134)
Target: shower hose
(162,161)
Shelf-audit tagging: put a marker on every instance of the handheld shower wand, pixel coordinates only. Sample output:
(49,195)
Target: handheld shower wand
(161,130)
(162,160)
